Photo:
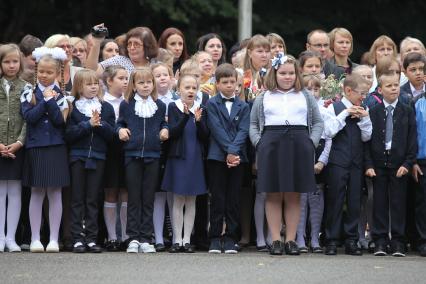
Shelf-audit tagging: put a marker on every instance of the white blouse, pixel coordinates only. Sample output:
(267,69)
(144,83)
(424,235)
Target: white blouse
(285,108)
(115,102)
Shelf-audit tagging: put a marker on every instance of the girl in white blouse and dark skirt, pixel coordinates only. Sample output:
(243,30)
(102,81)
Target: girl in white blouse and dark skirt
(285,127)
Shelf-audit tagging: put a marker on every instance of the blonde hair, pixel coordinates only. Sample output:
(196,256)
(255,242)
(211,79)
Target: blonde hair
(162,64)
(190,66)
(145,74)
(315,79)
(75,40)
(165,56)
(59,68)
(82,77)
(342,32)
(255,42)
(381,40)
(274,37)
(408,40)
(270,80)
(7,49)
(185,76)
(53,40)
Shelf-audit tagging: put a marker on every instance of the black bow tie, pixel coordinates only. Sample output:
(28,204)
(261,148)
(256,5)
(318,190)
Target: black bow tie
(228,100)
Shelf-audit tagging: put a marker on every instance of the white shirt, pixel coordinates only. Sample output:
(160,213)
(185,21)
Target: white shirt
(323,158)
(115,102)
(285,108)
(388,145)
(87,106)
(228,105)
(179,105)
(417,92)
(167,99)
(333,124)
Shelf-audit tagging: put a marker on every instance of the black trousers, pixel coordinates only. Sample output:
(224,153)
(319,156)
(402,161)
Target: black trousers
(343,184)
(225,184)
(142,180)
(85,187)
(389,197)
(421,206)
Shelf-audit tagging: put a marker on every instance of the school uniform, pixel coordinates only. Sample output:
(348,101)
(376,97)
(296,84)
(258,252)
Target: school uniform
(88,147)
(345,171)
(46,162)
(228,121)
(145,119)
(393,144)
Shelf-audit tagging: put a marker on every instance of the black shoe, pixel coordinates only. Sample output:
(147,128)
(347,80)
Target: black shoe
(229,246)
(330,249)
(93,248)
(303,249)
(422,250)
(160,247)
(124,244)
(68,245)
(351,248)
(317,250)
(380,249)
(188,248)
(175,248)
(79,248)
(398,249)
(291,248)
(215,246)
(276,248)
(112,245)
(262,248)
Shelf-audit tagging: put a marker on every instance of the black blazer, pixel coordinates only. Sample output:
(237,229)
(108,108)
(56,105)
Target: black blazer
(177,121)
(404,139)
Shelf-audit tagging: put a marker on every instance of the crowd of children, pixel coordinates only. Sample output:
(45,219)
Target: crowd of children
(143,148)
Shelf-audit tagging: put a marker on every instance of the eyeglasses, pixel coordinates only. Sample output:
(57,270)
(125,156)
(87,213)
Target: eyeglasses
(66,46)
(319,45)
(363,94)
(134,44)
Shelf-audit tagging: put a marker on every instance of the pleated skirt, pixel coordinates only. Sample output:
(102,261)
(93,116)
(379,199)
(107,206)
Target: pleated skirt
(46,167)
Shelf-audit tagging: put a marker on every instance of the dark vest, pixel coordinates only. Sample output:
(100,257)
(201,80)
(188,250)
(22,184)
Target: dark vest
(347,147)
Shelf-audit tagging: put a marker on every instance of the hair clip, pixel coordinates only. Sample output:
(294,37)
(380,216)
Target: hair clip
(279,60)
(56,53)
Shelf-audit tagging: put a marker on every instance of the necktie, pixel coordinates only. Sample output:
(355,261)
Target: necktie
(228,100)
(389,124)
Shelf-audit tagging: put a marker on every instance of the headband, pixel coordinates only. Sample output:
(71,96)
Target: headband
(56,53)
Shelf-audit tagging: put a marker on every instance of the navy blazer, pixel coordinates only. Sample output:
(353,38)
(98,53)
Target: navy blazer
(145,132)
(45,122)
(83,138)
(404,139)
(177,121)
(228,133)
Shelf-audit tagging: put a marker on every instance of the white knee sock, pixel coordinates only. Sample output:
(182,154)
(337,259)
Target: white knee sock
(35,209)
(110,217)
(13,208)
(55,211)
(177,224)
(188,219)
(158,216)
(123,220)
(3,194)
(259,218)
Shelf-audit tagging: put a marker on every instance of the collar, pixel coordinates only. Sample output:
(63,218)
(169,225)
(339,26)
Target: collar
(42,88)
(346,102)
(414,91)
(179,105)
(138,98)
(386,104)
(283,92)
(110,98)
(223,97)
(87,106)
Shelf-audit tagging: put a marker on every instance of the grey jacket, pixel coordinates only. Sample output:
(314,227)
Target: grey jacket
(257,119)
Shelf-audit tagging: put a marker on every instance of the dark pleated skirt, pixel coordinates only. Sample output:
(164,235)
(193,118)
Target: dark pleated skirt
(114,176)
(46,167)
(285,160)
(11,169)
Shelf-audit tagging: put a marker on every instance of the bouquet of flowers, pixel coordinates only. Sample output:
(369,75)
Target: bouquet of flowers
(331,88)
(251,90)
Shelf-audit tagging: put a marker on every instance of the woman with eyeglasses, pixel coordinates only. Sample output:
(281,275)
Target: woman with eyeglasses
(79,49)
(141,46)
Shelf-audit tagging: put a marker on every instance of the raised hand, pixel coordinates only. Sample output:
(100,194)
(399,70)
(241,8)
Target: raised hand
(198,114)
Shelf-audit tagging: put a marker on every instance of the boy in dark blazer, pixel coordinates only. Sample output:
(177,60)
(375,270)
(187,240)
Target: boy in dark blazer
(414,68)
(228,120)
(389,156)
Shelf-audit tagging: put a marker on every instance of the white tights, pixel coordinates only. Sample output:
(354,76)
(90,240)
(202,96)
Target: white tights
(181,219)
(10,189)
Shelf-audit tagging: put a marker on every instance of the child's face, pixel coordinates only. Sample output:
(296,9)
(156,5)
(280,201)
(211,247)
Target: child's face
(47,72)
(415,73)
(118,84)
(175,45)
(90,89)
(357,95)
(188,89)
(342,45)
(143,86)
(162,78)
(214,47)
(286,76)
(239,86)
(383,51)
(312,66)
(259,57)
(276,47)
(389,88)
(10,65)
(206,64)
(227,85)
(315,90)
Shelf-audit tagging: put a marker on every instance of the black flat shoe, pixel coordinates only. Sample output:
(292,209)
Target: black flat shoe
(303,250)
(262,248)
(317,250)
(94,249)
(331,250)
(351,248)
(81,248)
(276,248)
(160,247)
(291,248)
(175,248)
(188,248)
(112,246)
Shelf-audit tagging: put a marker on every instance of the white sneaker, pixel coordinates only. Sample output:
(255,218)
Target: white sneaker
(133,247)
(146,248)
(12,246)
(2,244)
(53,246)
(36,246)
